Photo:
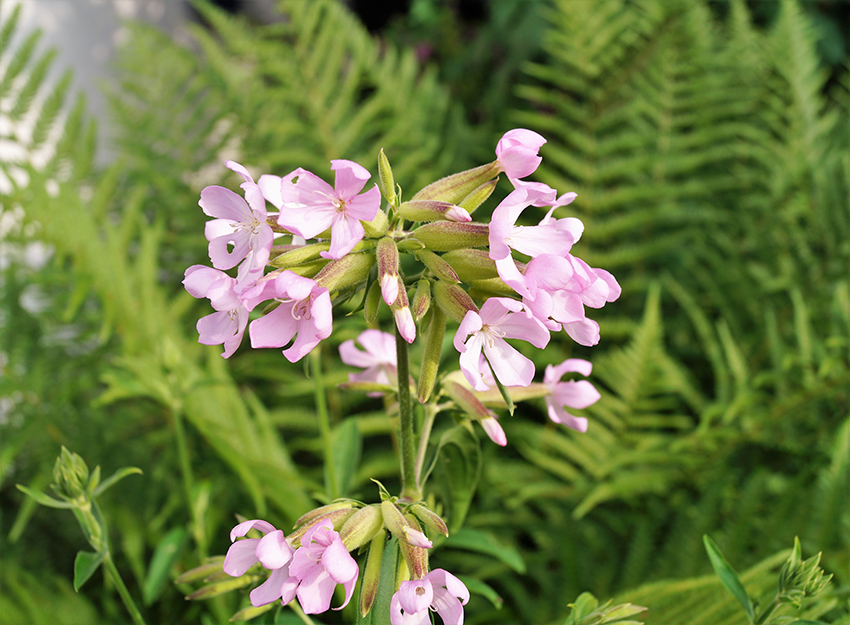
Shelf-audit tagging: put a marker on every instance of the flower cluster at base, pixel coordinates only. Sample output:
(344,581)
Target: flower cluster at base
(327,243)
(310,562)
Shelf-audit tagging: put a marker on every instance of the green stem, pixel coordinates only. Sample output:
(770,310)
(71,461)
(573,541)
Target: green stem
(324,420)
(122,590)
(300,613)
(188,479)
(768,611)
(407,439)
(424,435)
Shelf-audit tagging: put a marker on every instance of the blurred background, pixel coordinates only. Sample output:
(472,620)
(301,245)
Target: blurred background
(709,144)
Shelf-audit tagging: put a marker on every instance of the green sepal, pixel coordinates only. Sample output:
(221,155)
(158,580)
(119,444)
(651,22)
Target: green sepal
(456,187)
(370,581)
(445,236)
(246,614)
(220,588)
(421,299)
(506,396)
(213,565)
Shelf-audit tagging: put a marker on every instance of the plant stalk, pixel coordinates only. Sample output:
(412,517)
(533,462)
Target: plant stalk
(122,590)
(324,420)
(407,439)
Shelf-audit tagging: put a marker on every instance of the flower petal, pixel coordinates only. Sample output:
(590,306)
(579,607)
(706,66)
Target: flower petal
(273,551)
(241,556)
(270,590)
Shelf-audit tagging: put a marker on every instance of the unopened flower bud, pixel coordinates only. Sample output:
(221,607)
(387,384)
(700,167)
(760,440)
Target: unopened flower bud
(466,400)
(401,527)
(478,196)
(373,300)
(300,255)
(403,317)
(438,266)
(410,244)
(472,264)
(323,511)
(415,548)
(372,572)
(385,179)
(377,227)
(361,527)
(347,271)
(492,286)
(70,475)
(431,356)
(453,300)
(429,518)
(433,210)
(421,299)
(444,236)
(456,187)
(387,255)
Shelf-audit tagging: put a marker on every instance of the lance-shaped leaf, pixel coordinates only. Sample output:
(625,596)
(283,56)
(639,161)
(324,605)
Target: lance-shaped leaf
(116,477)
(456,469)
(164,557)
(44,500)
(728,577)
(85,564)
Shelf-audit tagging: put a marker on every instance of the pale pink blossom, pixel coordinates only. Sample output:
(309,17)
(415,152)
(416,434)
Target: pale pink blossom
(272,551)
(239,230)
(552,237)
(439,590)
(303,313)
(517,152)
(227,325)
(310,206)
(377,358)
(318,566)
(494,431)
(500,318)
(571,394)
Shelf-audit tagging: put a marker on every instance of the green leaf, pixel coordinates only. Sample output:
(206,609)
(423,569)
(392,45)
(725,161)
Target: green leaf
(43,499)
(502,390)
(484,542)
(457,469)
(85,564)
(113,479)
(346,447)
(164,556)
(380,612)
(728,577)
(476,586)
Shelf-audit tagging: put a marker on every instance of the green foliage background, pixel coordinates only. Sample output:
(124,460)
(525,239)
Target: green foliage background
(712,162)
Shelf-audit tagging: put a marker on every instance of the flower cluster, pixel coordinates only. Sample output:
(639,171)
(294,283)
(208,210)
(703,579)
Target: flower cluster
(498,281)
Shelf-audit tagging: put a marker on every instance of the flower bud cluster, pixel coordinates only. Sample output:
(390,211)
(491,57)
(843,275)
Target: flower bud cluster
(309,563)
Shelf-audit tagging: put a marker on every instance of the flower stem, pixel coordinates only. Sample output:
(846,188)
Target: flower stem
(122,590)
(324,420)
(424,435)
(407,443)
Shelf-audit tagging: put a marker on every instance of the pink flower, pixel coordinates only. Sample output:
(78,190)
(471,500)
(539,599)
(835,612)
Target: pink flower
(517,152)
(228,324)
(439,590)
(377,358)
(554,237)
(272,551)
(318,566)
(573,394)
(239,224)
(311,206)
(494,431)
(304,310)
(499,318)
